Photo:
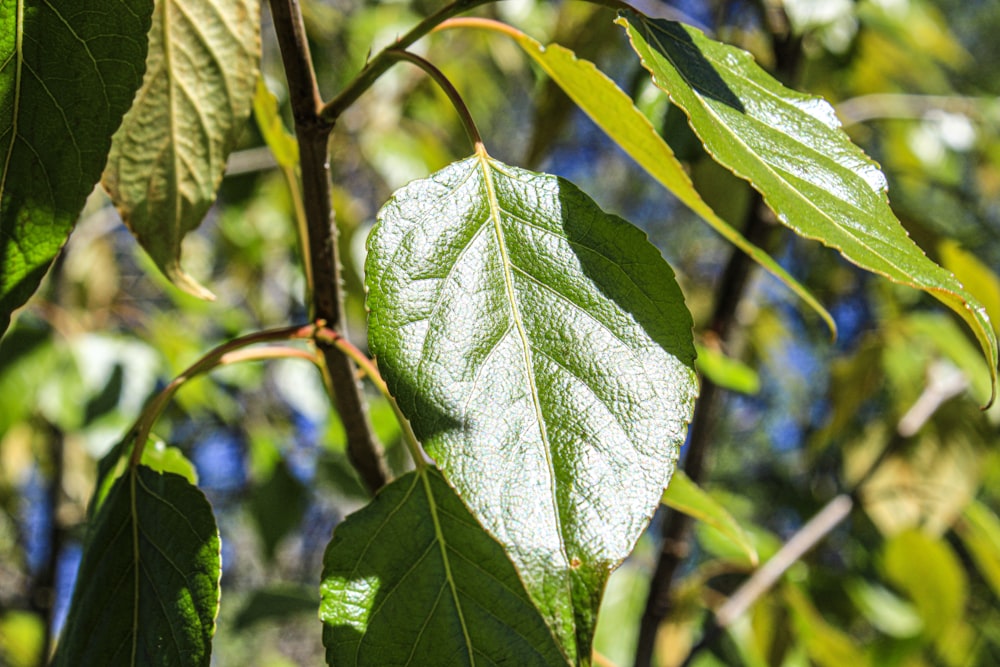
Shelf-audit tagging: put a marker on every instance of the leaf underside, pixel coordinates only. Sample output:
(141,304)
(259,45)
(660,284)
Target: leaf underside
(169,155)
(68,71)
(147,591)
(542,351)
(412,578)
(790,148)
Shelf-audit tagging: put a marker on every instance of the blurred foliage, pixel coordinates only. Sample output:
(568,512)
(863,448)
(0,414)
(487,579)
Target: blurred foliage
(889,412)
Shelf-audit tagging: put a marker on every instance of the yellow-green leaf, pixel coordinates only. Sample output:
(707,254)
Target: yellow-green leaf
(685,496)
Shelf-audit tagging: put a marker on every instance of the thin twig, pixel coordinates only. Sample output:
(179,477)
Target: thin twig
(453,95)
(212,359)
(384,59)
(312,130)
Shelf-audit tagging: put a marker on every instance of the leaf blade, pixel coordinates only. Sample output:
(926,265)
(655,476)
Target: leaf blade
(66,79)
(464,601)
(790,148)
(525,332)
(148,588)
(168,158)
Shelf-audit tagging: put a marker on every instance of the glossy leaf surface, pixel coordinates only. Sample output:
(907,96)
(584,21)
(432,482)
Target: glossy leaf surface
(615,113)
(543,353)
(148,587)
(790,147)
(412,578)
(68,72)
(168,158)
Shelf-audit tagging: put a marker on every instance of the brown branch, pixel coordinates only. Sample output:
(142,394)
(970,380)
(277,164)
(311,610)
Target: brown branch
(313,135)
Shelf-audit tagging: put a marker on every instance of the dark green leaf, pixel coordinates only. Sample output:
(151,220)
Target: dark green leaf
(790,147)
(278,603)
(169,156)
(148,587)
(543,353)
(278,506)
(413,579)
(68,71)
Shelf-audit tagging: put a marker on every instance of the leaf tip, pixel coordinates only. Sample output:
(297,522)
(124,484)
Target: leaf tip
(185,282)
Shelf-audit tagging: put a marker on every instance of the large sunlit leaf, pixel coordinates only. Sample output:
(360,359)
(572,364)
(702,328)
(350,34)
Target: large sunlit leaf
(615,113)
(790,147)
(543,352)
(169,155)
(68,72)
(147,591)
(413,579)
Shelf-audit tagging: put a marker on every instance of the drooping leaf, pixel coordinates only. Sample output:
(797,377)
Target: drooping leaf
(68,72)
(927,570)
(542,351)
(413,579)
(169,155)
(980,532)
(281,142)
(147,591)
(614,112)
(685,496)
(790,147)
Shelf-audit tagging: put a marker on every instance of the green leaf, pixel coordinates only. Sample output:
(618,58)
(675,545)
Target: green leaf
(980,531)
(169,155)
(147,591)
(728,373)
(543,353)
(281,142)
(685,496)
(614,112)
(790,147)
(277,603)
(68,72)
(412,578)
(927,570)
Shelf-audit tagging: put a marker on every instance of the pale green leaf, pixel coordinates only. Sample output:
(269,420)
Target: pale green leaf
(413,579)
(543,353)
(980,531)
(727,372)
(927,570)
(147,591)
(68,72)
(281,142)
(685,496)
(790,147)
(169,155)
(615,113)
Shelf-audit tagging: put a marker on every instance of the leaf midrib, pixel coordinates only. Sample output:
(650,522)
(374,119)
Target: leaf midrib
(495,210)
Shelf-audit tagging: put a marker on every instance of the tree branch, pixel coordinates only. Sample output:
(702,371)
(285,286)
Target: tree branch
(313,135)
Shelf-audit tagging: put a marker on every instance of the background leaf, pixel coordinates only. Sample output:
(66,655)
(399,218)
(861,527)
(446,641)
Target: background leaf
(685,496)
(168,158)
(148,587)
(412,578)
(543,353)
(67,74)
(790,147)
